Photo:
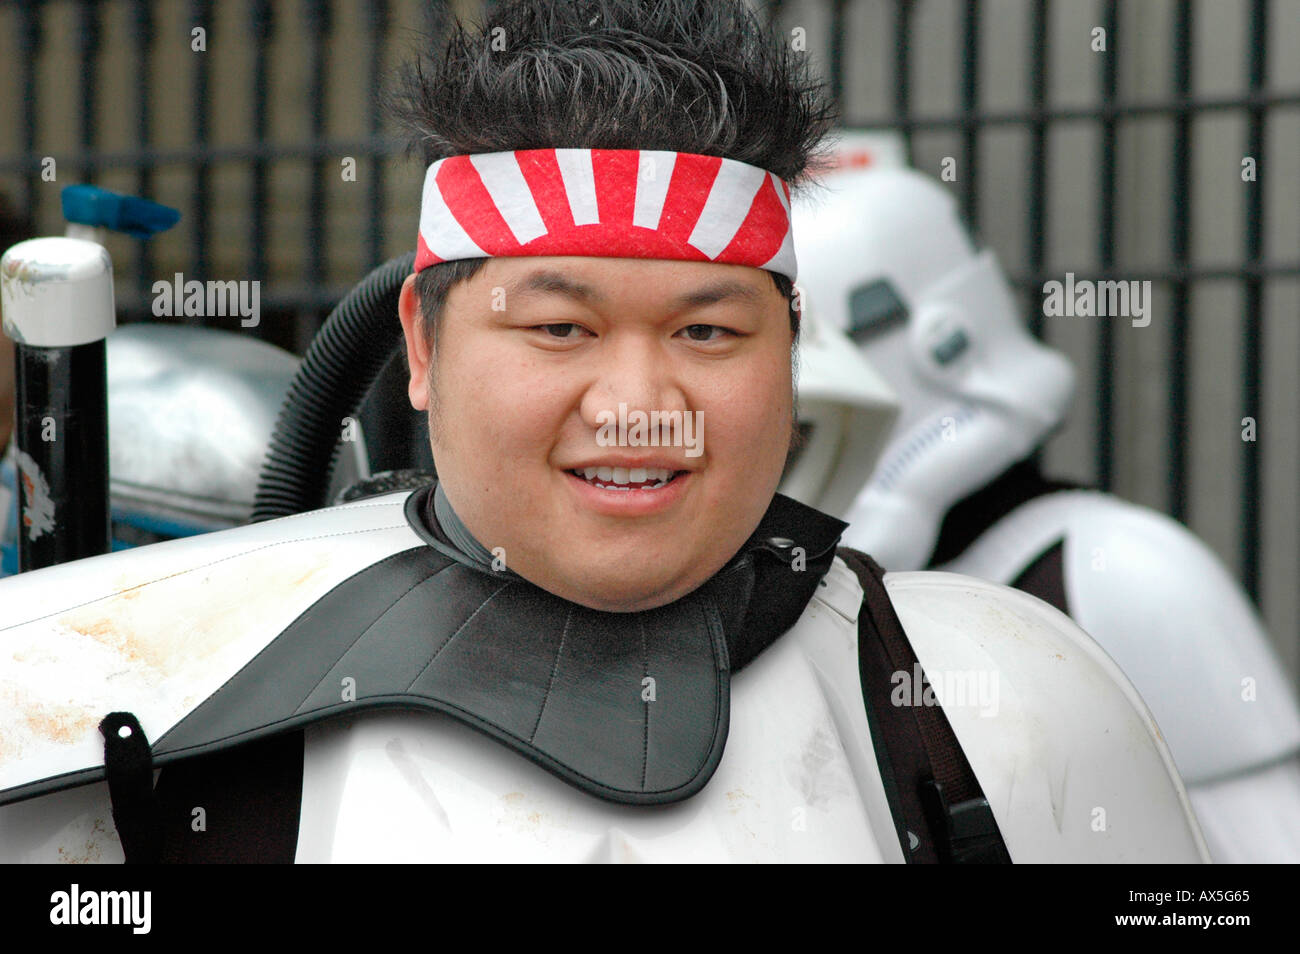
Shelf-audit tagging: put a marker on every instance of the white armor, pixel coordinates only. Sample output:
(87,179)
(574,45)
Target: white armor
(978,394)
(846,410)
(887,262)
(1167,610)
(157,629)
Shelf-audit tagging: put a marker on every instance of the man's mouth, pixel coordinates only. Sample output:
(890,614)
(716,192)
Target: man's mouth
(625,478)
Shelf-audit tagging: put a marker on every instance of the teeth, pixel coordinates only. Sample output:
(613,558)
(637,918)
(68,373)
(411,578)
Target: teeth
(622,476)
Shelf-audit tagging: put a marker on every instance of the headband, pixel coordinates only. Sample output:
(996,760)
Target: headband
(613,203)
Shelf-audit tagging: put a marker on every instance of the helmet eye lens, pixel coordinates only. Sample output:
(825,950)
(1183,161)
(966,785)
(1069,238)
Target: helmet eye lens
(874,308)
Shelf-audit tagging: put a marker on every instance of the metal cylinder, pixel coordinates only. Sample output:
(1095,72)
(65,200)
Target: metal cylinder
(56,298)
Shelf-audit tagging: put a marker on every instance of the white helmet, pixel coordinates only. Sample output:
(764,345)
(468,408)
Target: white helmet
(845,413)
(892,267)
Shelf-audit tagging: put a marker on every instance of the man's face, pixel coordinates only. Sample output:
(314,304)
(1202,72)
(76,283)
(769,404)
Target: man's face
(534,358)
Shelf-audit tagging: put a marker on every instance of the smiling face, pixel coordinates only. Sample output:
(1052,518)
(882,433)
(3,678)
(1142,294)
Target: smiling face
(534,358)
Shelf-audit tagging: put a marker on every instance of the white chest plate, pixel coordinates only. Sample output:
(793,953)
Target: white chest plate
(798,781)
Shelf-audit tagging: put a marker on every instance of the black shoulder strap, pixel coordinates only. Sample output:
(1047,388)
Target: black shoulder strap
(238,805)
(939,810)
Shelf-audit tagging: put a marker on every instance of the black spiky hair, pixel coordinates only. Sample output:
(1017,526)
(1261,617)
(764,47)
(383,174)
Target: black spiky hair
(697,76)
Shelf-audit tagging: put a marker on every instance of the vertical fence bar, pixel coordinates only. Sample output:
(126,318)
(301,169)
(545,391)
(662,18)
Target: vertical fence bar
(1104,449)
(1180,244)
(201,17)
(903,73)
(1252,344)
(839,16)
(772,13)
(87,58)
(29,42)
(260,26)
(376,28)
(1036,226)
(437,19)
(142,37)
(970,62)
(316,19)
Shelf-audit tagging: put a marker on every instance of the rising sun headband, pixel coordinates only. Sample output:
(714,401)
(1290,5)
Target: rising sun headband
(613,203)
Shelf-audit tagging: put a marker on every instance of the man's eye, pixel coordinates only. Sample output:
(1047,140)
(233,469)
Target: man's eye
(703,333)
(561,329)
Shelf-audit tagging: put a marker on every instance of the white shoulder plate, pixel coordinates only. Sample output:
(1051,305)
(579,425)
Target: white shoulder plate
(1067,754)
(799,782)
(1168,611)
(158,629)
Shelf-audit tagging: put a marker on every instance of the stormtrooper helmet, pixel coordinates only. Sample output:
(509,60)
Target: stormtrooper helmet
(894,270)
(845,412)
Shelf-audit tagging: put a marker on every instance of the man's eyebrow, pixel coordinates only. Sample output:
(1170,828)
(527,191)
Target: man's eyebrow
(716,292)
(549,281)
(555,283)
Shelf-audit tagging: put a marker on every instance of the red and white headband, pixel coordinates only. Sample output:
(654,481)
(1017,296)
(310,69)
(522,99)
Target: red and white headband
(613,203)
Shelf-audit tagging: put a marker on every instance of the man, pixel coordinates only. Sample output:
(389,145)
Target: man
(601,326)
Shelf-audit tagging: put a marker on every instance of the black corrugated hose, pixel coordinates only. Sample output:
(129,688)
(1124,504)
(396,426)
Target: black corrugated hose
(342,363)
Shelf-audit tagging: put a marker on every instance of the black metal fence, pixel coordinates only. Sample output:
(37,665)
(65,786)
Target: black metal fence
(306,74)
(961,123)
(1252,269)
(302,292)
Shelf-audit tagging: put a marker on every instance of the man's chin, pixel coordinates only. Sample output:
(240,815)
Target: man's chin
(628,592)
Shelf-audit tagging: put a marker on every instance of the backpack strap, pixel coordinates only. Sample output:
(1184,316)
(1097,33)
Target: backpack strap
(128,768)
(940,812)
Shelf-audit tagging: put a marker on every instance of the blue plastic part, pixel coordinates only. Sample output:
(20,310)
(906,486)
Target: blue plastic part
(139,218)
(9,520)
(166,529)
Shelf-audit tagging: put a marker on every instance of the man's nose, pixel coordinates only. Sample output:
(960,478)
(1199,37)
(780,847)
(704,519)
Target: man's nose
(634,372)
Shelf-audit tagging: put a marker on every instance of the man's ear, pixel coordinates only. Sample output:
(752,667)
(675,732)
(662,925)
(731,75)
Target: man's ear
(417,346)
